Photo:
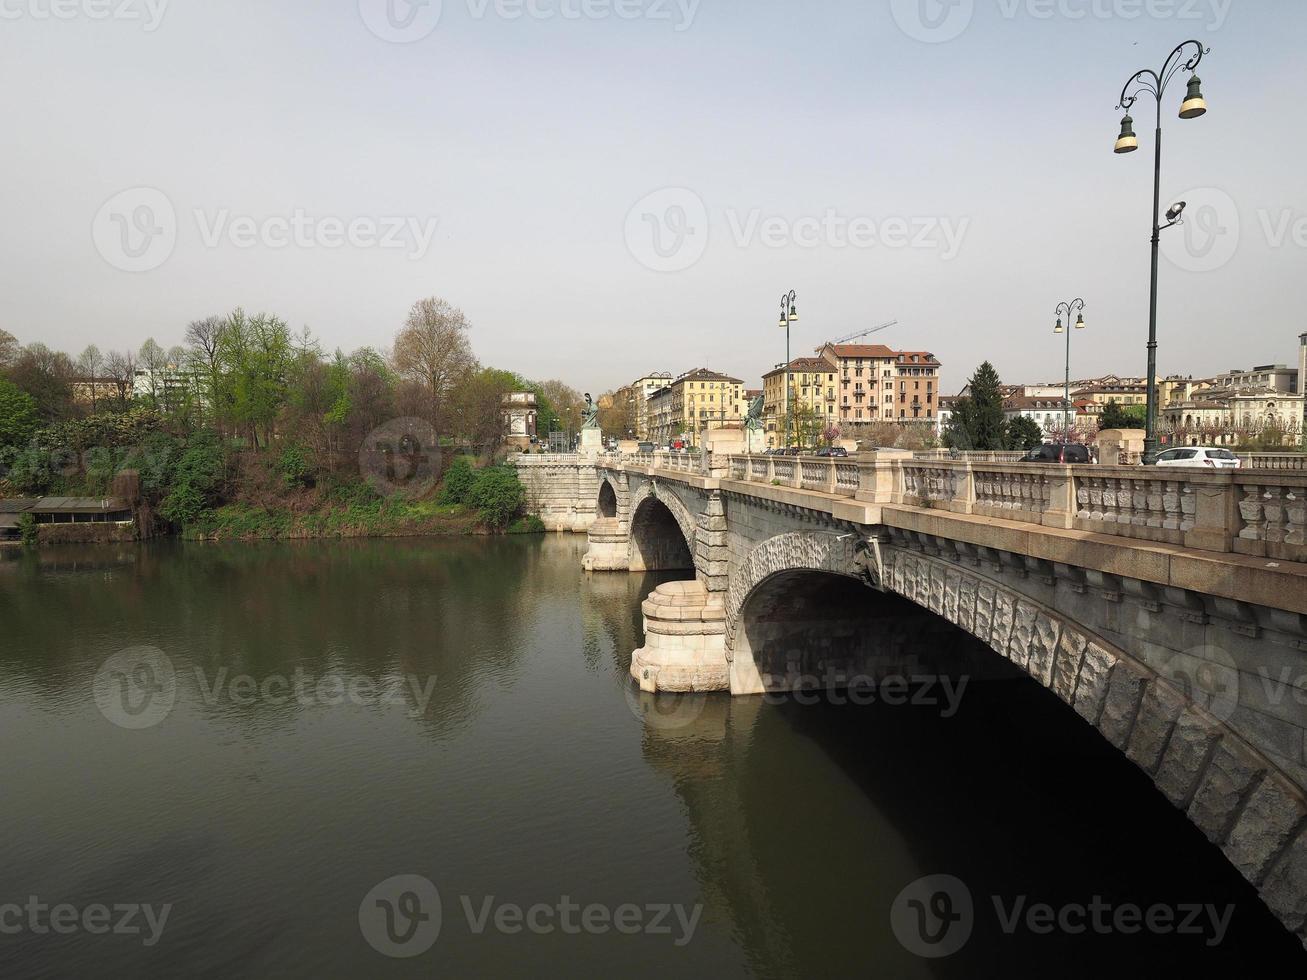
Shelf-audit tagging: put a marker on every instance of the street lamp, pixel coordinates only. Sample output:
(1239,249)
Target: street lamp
(1075,306)
(789,315)
(1194,105)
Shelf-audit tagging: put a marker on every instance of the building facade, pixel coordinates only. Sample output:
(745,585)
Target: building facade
(696,401)
(879,384)
(638,393)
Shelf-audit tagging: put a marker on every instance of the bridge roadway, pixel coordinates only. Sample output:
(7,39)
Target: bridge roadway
(1167,608)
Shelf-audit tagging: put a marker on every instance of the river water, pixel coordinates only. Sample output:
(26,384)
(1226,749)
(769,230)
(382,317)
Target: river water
(425,757)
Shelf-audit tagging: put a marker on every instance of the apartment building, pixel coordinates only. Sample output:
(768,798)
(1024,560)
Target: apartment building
(698,400)
(878,384)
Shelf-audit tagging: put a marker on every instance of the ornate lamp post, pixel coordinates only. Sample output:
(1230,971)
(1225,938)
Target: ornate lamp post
(1155,84)
(1076,306)
(789,315)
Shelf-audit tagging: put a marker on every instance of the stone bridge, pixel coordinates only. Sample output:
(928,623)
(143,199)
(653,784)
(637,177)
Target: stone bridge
(1167,608)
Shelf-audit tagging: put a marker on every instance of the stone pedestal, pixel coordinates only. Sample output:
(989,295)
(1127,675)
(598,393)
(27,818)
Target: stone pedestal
(610,547)
(592,442)
(685,641)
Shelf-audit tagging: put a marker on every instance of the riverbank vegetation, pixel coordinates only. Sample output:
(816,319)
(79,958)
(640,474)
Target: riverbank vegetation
(249,430)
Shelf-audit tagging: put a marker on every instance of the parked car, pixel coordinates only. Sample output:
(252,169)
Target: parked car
(646,447)
(833,451)
(1221,459)
(1056,452)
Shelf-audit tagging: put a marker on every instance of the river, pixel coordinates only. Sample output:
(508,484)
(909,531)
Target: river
(377,758)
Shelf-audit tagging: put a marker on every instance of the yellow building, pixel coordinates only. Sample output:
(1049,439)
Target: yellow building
(812,400)
(698,400)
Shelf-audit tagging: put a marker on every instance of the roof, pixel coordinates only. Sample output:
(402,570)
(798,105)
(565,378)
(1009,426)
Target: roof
(861,350)
(924,356)
(809,364)
(65,505)
(705,374)
(1017,402)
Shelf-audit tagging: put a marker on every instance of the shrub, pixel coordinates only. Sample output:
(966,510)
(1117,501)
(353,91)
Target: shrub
(28,529)
(294,467)
(195,479)
(459,479)
(530,524)
(27,470)
(18,414)
(497,496)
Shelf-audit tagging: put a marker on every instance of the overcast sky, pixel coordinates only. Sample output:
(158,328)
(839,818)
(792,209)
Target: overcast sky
(630,190)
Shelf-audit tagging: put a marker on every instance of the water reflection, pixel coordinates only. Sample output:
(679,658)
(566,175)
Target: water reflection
(537,770)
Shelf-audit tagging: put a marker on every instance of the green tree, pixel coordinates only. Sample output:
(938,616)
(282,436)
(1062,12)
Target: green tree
(18,414)
(256,357)
(977,421)
(1116,417)
(1024,433)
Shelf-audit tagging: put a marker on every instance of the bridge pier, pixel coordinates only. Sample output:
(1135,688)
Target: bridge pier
(685,640)
(610,546)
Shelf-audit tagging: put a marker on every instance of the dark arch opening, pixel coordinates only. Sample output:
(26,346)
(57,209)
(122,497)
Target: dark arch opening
(657,543)
(822,630)
(607,500)
(973,781)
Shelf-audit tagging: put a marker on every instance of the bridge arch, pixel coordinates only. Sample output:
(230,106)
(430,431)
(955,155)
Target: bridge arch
(662,536)
(1231,791)
(607,504)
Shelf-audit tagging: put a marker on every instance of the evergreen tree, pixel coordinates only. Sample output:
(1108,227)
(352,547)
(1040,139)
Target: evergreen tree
(977,421)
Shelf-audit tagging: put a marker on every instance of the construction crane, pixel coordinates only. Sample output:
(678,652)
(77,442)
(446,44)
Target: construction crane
(862,333)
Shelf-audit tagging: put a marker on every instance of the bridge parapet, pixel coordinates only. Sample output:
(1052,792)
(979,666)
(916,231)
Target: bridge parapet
(1261,513)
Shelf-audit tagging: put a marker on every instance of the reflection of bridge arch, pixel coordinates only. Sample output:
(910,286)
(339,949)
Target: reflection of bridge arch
(1197,761)
(657,515)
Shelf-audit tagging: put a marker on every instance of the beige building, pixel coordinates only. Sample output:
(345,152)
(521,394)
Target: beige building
(96,391)
(698,400)
(878,384)
(638,393)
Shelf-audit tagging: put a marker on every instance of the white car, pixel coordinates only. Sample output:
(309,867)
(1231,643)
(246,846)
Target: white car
(1220,459)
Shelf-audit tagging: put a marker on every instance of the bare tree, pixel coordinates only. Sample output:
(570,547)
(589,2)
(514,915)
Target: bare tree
(9,349)
(153,359)
(432,352)
(565,401)
(90,364)
(204,343)
(121,367)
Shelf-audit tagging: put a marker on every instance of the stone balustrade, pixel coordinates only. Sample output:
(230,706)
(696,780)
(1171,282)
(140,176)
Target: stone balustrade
(1251,512)
(1274,461)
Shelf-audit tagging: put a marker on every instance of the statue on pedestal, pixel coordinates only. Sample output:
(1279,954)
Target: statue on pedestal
(590,420)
